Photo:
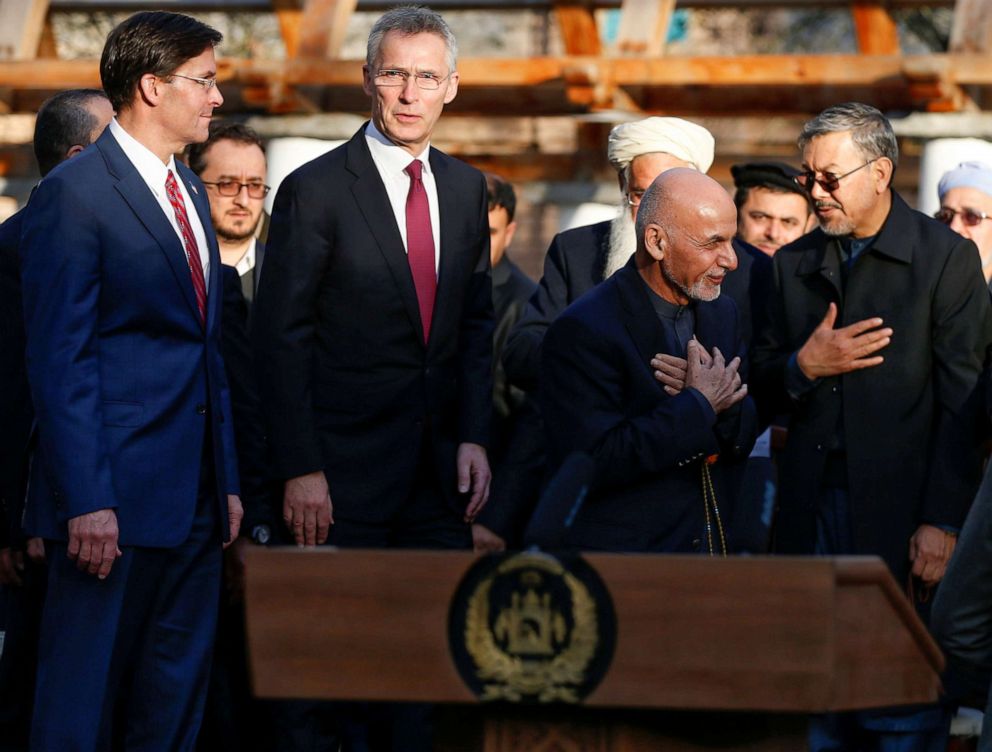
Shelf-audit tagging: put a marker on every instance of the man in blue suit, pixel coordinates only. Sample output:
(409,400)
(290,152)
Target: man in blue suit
(135,482)
(663,440)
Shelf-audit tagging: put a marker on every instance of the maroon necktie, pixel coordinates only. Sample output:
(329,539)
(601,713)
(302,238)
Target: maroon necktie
(189,241)
(420,245)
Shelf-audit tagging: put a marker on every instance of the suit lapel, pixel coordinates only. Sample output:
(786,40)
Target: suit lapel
(639,317)
(139,197)
(822,261)
(373,202)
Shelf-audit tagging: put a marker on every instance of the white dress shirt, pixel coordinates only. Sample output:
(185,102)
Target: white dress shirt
(154,173)
(391,161)
(247,262)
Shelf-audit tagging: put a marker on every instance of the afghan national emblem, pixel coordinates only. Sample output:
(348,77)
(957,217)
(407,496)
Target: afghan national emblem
(531,627)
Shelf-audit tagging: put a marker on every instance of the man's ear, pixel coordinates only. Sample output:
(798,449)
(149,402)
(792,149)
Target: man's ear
(510,230)
(73,150)
(452,90)
(150,88)
(655,241)
(367,85)
(882,170)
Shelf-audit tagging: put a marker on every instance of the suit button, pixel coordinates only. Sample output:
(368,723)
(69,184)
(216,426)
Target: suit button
(819,447)
(835,389)
(696,544)
(427,371)
(201,409)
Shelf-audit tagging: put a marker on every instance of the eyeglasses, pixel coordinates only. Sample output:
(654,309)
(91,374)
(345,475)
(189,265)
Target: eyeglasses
(233,188)
(634,198)
(828,182)
(428,81)
(206,83)
(970,217)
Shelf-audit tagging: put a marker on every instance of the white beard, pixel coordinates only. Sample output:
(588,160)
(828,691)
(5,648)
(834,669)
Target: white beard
(623,241)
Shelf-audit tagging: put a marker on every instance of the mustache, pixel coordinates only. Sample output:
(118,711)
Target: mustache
(827,205)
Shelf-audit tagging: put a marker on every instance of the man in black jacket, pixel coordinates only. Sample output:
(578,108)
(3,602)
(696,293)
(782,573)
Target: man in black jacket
(875,342)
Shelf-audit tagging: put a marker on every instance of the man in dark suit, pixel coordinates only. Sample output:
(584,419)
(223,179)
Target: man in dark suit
(877,334)
(661,452)
(516,454)
(66,124)
(374,319)
(231,163)
(134,483)
(581,258)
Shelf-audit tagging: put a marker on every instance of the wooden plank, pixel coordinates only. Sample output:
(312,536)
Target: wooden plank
(323,27)
(644,26)
(21,25)
(579,32)
(289,15)
(875,29)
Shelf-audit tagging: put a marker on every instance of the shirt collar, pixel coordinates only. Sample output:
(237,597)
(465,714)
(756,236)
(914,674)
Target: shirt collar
(148,165)
(247,262)
(394,158)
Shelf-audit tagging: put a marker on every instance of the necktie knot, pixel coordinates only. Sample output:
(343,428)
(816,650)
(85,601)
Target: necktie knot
(414,169)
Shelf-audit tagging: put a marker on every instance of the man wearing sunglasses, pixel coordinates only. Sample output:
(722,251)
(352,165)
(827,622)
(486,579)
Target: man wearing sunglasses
(966,207)
(875,342)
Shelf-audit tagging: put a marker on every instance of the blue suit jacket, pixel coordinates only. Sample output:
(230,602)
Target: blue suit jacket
(599,396)
(127,384)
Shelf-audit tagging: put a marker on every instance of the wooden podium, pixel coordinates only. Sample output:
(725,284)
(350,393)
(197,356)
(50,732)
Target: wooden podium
(762,641)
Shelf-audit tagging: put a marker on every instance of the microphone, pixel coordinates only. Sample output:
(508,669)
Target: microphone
(560,503)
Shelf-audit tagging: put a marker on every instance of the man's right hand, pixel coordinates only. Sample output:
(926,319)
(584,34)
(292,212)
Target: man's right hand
(307,508)
(93,542)
(715,379)
(830,351)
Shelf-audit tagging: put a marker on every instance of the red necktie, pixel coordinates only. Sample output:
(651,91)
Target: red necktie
(420,245)
(189,241)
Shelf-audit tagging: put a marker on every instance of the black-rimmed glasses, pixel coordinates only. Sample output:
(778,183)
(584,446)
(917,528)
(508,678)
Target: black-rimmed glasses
(389,77)
(970,217)
(828,182)
(233,188)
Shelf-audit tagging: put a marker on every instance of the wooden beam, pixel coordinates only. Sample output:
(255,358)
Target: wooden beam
(289,15)
(21,25)
(323,27)
(644,26)
(875,29)
(579,31)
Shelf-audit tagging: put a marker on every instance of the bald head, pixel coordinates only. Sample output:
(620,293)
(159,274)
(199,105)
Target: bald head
(685,226)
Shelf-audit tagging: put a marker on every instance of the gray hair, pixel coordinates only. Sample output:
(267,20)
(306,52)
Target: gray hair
(409,20)
(870,130)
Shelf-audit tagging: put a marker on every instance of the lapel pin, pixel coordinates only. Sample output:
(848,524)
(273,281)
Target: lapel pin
(194,189)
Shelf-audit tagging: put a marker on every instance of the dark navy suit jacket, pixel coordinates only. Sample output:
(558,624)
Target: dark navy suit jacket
(127,384)
(599,396)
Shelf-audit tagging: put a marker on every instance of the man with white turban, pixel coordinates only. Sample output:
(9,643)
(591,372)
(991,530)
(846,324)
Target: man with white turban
(966,207)
(581,258)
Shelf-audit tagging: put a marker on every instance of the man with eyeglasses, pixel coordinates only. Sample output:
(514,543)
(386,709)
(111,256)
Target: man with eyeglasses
(875,343)
(966,207)
(373,333)
(134,484)
(231,164)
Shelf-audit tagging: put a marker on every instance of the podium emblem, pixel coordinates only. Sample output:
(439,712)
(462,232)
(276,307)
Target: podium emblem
(532,627)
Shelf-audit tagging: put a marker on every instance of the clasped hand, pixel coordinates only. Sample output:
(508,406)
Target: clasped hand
(709,374)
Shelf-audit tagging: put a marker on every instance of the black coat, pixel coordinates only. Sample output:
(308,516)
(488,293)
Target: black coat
(911,424)
(346,382)
(599,396)
(16,414)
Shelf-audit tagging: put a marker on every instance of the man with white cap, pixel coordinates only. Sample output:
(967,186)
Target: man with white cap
(581,258)
(966,207)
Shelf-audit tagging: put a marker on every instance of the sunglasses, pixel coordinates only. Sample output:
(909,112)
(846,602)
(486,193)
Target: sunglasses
(828,182)
(970,217)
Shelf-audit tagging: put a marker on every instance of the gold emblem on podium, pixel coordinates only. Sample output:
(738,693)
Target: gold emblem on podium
(531,629)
